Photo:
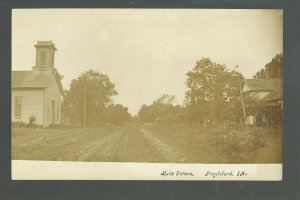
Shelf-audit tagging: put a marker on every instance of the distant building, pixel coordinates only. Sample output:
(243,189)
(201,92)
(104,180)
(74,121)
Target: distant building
(38,92)
(268,91)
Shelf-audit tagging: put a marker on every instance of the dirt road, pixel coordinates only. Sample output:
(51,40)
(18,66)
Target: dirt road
(139,143)
(128,143)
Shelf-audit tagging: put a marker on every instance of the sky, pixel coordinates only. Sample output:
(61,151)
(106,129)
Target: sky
(147,52)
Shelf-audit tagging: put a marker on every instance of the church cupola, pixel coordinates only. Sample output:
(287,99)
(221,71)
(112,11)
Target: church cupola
(45,51)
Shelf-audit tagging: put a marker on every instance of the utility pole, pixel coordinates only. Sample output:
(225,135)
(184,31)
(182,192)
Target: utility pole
(243,106)
(84,105)
(242,99)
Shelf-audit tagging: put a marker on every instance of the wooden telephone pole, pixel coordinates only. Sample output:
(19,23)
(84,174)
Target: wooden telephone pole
(242,99)
(243,106)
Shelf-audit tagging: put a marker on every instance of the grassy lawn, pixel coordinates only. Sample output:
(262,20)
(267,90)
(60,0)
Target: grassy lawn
(224,145)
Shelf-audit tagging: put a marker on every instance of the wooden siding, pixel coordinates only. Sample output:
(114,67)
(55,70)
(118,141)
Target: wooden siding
(32,104)
(44,104)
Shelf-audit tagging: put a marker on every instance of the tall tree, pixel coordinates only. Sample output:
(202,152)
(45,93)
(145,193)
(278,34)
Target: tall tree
(212,91)
(272,69)
(88,97)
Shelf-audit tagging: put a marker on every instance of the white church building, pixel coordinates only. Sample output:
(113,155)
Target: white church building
(38,92)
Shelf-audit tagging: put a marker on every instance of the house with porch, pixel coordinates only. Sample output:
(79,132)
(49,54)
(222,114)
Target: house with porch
(38,92)
(269,93)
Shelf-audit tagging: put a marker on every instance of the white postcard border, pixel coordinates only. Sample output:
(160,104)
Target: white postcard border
(67,170)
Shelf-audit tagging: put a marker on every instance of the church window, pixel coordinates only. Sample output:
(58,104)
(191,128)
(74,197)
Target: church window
(18,107)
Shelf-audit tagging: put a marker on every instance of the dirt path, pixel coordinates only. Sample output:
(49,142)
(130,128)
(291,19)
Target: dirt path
(103,146)
(124,145)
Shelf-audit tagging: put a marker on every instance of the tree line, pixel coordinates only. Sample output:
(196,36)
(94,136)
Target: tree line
(213,92)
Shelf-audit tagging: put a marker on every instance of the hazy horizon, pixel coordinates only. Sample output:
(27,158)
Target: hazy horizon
(147,52)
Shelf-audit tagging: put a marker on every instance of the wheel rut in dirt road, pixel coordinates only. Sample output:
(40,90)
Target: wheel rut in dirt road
(167,151)
(103,147)
(134,147)
(127,145)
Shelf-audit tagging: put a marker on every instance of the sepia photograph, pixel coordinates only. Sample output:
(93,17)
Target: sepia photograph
(141,87)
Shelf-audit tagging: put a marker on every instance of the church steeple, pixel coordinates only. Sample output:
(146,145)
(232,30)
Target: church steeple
(45,51)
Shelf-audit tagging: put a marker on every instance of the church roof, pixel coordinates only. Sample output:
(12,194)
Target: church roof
(26,79)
